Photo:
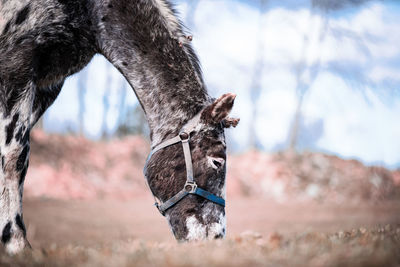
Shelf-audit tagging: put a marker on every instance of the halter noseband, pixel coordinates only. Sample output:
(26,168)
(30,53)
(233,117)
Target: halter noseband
(190,186)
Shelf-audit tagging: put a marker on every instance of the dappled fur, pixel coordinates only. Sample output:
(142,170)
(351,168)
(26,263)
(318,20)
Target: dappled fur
(44,41)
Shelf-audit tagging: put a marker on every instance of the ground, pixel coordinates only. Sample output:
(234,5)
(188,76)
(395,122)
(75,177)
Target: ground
(260,233)
(91,222)
(86,203)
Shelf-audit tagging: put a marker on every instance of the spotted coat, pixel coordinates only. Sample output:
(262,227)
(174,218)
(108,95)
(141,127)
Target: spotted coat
(44,41)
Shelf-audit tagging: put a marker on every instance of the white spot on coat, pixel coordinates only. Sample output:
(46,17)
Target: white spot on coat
(196,231)
(218,229)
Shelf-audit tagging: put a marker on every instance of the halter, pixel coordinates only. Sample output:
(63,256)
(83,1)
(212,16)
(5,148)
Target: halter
(190,186)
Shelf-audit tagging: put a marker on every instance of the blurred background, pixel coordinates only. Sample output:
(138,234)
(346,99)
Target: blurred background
(318,94)
(312,75)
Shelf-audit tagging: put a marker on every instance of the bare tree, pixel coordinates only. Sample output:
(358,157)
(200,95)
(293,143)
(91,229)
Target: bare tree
(305,76)
(122,101)
(82,89)
(255,86)
(106,102)
(134,122)
(307,73)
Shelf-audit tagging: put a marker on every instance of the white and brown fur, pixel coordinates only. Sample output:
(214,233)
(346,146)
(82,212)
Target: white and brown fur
(44,41)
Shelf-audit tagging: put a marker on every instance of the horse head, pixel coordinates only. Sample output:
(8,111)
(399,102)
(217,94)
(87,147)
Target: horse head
(189,186)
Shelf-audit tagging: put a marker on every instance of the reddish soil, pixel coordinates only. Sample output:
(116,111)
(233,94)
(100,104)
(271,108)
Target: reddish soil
(92,222)
(86,203)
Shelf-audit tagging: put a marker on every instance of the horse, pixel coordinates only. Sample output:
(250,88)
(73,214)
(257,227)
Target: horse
(42,42)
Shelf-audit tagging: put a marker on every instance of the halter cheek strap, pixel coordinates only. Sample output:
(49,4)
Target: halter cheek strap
(190,186)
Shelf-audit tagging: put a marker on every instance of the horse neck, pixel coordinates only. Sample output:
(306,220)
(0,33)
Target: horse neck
(145,41)
(174,93)
(168,107)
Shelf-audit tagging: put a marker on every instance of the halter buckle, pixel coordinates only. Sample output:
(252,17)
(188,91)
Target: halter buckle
(190,187)
(184,136)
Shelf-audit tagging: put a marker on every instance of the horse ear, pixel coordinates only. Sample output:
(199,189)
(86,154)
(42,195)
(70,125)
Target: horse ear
(230,122)
(218,111)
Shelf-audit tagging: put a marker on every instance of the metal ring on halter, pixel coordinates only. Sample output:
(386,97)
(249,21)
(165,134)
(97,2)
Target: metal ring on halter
(190,187)
(184,136)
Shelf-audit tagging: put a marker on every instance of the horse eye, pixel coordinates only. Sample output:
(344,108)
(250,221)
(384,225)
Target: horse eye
(216,163)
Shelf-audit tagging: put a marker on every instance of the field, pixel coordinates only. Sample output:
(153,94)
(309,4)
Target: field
(86,204)
(260,233)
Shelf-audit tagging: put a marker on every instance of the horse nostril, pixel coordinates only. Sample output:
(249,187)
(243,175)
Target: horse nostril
(216,162)
(218,236)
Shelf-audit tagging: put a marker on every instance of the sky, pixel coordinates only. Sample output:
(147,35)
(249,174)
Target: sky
(347,60)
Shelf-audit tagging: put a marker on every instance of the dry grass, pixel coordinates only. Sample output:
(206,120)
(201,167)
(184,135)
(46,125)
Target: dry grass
(358,247)
(315,191)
